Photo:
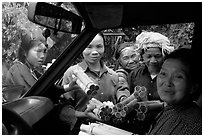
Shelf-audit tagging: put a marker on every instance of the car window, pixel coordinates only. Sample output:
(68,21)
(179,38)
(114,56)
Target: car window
(14,19)
(180,35)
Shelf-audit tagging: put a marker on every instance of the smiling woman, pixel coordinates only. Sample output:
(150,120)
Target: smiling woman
(177,85)
(79,41)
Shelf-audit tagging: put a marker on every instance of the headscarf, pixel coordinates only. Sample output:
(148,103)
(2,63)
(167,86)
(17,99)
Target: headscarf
(153,39)
(121,47)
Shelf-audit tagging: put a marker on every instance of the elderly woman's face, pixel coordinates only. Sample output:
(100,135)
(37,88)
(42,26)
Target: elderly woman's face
(173,82)
(129,58)
(153,58)
(37,54)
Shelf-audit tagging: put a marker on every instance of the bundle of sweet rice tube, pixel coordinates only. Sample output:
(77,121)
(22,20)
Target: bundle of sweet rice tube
(102,110)
(108,112)
(84,82)
(139,100)
(102,129)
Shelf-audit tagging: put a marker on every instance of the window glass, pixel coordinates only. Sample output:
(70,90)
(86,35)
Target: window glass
(180,35)
(15,26)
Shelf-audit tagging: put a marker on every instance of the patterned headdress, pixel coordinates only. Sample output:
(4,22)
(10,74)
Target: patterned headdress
(153,39)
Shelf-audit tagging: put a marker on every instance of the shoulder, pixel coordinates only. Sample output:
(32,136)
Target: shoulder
(140,66)
(71,69)
(188,116)
(192,120)
(18,67)
(112,73)
(122,73)
(140,69)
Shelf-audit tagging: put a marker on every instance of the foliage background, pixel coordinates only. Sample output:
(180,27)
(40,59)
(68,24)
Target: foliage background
(14,17)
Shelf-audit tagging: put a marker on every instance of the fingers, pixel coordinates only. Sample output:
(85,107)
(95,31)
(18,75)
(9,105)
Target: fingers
(73,82)
(97,103)
(92,116)
(70,85)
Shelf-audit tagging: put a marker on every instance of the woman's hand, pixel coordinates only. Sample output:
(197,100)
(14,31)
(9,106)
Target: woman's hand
(91,115)
(70,86)
(89,112)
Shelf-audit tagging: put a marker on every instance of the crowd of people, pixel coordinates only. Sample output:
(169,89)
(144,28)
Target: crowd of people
(168,75)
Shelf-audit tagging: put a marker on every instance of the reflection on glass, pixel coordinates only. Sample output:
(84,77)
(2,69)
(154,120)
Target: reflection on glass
(54,23)
(50,22)
(66,25)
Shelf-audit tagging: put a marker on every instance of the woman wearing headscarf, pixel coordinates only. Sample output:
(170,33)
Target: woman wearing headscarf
(127,58)
(153,46)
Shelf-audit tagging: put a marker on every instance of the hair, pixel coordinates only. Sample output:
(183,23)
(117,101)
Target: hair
(120,47)
(21,54)
(145,38)
(187,57)
(101,34)
(28,38)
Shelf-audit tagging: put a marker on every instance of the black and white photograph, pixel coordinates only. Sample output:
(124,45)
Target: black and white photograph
(101,68)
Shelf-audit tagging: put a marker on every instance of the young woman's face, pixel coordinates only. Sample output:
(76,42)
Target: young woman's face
(129,58)
(173,82)
(95,50)
(153,58)
(37,54)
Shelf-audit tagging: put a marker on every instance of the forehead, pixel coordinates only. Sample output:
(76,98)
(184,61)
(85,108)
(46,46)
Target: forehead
(98,39)
(153,51)
(38,45)
(128,51)
(175,65)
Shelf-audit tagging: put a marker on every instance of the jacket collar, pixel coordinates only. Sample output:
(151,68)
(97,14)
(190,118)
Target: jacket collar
(85,67)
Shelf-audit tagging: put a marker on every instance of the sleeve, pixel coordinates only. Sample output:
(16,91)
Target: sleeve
(122,86)
(133,77)
(67,77)
(18,75)
(9,78)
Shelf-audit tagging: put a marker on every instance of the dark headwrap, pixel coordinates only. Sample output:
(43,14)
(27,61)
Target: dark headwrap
(120,47)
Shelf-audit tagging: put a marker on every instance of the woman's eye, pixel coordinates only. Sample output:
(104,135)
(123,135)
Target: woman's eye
(99,46)
(39,51)
(125,58)
(89,46)
(158,56)
(162,74)
(147,56)
(133,56)
(45,51)
(42,50)
(179,76)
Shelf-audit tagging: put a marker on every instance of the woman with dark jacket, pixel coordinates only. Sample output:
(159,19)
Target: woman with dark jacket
(127,58)
(177,86)
(153,46)
(31,55)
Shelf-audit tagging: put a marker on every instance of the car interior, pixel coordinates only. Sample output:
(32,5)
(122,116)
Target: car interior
(36,112)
